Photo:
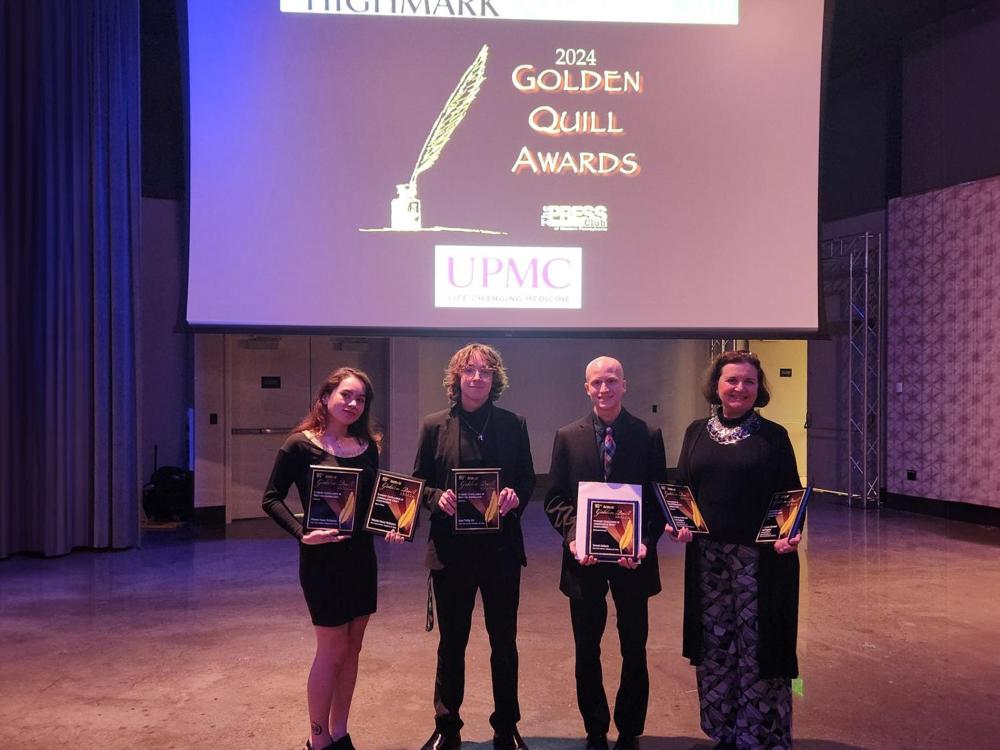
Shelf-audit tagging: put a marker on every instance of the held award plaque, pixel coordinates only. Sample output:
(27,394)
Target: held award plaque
(608,521)
(333,495)
(477,500)
(679,507)
(395,504)
(785,515)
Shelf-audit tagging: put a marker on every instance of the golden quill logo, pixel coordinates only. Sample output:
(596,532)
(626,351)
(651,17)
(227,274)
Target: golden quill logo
(404,511)
(405,213)
(345,511)
(406,518)
(488,509)
(620,528)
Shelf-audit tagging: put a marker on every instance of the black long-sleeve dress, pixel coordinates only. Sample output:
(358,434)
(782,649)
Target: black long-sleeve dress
(339,579)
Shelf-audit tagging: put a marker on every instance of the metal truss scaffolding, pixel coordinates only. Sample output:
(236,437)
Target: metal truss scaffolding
(863,254)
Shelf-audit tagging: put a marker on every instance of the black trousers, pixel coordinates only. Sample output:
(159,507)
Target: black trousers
(589,617)
(455,595)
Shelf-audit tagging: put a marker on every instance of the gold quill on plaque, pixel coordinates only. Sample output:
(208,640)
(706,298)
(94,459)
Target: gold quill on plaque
(347,514)
(493,508)
(625,543)
(405,520)
(621,532)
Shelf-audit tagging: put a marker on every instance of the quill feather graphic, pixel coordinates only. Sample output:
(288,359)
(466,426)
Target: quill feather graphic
(453,113)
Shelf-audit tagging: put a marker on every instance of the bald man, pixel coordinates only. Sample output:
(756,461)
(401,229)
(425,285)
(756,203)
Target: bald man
(582,453)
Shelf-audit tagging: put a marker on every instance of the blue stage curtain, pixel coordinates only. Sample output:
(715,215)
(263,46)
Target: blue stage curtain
(69,218)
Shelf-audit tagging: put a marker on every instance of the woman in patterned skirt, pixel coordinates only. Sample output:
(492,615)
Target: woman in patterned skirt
(740,598)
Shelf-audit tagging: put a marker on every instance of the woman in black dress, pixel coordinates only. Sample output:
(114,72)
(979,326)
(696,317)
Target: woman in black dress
(740,597)
(338,573)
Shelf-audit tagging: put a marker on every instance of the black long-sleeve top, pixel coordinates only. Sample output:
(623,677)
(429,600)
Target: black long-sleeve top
(291,467)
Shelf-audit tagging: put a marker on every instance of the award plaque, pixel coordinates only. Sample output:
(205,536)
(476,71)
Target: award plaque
(477,500)
(333,495)
(608,521)
(785,515)
(395,504)
(679,507)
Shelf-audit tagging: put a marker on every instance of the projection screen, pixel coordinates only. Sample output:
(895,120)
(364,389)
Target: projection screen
(523,165)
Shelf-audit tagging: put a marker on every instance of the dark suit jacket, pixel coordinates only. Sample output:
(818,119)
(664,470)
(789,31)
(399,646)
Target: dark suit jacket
(639,459)
(438,454)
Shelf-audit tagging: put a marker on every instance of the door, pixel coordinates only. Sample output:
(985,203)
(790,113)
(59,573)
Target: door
(268,392)
(271,381)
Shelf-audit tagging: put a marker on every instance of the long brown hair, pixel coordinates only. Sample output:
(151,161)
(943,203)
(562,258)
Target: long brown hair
(711,387)
(316,419)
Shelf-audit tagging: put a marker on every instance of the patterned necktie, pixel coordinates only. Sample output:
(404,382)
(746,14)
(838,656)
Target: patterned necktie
(608,451)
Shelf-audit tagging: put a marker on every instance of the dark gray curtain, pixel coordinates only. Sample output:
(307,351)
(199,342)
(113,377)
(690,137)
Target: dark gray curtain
(69,220)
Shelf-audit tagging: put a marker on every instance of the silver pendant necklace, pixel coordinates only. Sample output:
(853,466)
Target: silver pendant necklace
(478,433)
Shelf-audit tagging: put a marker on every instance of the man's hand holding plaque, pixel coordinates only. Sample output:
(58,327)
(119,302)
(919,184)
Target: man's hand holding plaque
(609,524)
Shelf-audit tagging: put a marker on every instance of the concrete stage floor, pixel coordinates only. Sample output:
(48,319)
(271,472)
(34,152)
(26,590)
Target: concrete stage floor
(201,640)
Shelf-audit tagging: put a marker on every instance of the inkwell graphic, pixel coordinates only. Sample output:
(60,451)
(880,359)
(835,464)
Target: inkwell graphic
(404,209)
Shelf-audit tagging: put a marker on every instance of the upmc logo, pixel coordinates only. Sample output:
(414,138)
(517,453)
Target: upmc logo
(508,277)
(576,218)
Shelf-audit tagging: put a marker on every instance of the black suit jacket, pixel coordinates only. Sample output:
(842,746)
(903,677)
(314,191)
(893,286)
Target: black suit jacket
(438,454)
(639,459)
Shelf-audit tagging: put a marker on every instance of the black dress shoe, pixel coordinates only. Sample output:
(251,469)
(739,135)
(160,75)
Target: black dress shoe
(627,742)
(597,742)
(439,741)
(512,741)
(344,743)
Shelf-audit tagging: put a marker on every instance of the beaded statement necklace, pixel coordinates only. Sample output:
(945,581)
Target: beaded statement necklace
(724,435)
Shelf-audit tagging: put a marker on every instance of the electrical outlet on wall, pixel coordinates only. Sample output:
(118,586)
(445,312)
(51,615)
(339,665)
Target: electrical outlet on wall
(911,475)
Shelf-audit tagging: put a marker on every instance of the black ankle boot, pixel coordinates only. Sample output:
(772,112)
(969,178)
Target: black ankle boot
(509,741)
(439,741)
